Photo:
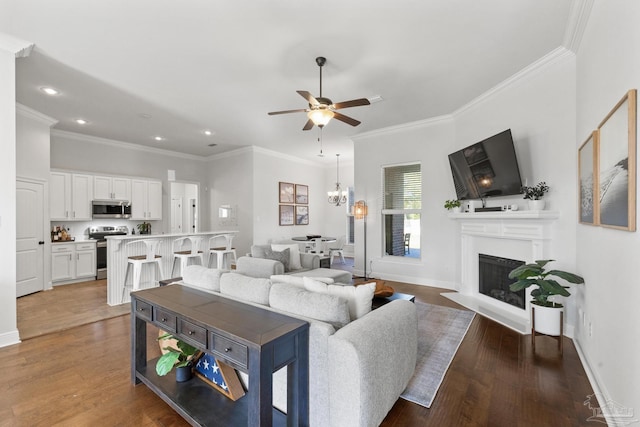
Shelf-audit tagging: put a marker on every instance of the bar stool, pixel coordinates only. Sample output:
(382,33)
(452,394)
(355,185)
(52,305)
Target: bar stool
(221,251)
(137,261)
(195,253)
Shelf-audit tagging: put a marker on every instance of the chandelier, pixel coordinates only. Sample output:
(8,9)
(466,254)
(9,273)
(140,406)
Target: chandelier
(338,196)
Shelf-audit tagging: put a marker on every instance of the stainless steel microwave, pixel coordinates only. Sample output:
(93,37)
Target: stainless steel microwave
(111,209)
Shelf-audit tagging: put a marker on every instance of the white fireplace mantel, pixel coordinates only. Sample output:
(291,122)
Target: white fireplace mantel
(520,235)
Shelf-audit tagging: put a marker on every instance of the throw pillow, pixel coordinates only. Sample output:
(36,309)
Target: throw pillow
(282,256)
(358,297)
(298,301)
(245,288)
(294,254)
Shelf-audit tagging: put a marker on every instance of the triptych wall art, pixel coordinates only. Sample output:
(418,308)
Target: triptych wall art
(607,169)
(294,204)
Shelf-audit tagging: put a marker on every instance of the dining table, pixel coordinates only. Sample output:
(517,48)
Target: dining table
(312,242)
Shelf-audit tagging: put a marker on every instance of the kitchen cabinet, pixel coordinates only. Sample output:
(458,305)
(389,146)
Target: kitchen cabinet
(146,199)
(111,188)
(70,196)
(73,261)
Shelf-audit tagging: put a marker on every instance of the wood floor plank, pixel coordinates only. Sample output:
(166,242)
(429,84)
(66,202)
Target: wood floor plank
(79,376)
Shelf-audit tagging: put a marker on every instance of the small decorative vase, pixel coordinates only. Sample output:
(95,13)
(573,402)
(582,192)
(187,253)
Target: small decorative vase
(183,373)
(536,205)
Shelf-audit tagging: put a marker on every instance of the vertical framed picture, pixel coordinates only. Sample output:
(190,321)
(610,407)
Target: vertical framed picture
(302,215)
(286,191)
(588,179)
(616,166)
(302,194)
(286,215)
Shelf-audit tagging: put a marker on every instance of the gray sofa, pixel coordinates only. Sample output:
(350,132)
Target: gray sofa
(357,368)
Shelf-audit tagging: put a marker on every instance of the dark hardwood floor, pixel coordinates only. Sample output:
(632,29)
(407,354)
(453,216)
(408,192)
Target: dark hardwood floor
(80,377)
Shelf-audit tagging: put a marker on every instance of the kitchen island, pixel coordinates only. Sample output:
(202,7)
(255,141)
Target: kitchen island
(117,260)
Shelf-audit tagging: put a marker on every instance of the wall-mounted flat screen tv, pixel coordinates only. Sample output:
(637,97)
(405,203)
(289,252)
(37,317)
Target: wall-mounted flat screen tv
(488,168)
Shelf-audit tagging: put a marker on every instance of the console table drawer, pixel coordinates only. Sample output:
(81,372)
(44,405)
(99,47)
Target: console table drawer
(165,319)
(143,309)
(192,332)
(229,349)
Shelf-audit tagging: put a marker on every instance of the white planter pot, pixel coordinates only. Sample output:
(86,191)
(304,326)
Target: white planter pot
(456,209)
(536,205)
(547,319)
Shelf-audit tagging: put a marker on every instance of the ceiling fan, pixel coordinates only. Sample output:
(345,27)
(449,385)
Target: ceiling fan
(321,109)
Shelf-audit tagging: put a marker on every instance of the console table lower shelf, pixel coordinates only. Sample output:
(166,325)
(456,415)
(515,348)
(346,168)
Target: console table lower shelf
(248,338)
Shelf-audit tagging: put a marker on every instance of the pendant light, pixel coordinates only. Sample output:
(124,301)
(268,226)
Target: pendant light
(337,197)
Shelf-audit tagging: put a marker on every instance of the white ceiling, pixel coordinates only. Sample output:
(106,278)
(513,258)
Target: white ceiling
(140,68)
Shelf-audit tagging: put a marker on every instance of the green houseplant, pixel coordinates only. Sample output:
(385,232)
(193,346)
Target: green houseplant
(535,194)
(547,312)
(178,356)
(452,204)
(144,228)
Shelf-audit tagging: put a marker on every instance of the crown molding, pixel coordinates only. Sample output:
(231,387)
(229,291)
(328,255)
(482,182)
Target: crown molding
(404,127)
(30,113)
(554,57)
(120,144)
(577,23)
(19,47)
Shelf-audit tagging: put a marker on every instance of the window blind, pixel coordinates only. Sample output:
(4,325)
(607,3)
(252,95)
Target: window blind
(403,187)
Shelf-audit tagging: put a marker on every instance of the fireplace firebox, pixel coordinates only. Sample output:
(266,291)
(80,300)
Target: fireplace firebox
(494,279)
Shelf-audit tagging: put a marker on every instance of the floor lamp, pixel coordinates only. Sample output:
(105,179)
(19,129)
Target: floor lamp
(360,211)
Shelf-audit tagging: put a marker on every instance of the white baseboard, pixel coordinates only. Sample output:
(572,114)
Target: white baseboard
(9,338)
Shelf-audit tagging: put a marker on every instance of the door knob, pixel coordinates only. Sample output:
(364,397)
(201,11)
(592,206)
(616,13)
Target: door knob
(41,242)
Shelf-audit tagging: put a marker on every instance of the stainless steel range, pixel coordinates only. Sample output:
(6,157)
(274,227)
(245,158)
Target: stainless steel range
(100,234)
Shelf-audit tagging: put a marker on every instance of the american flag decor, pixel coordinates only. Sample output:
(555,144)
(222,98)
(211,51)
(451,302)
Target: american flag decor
(219,375)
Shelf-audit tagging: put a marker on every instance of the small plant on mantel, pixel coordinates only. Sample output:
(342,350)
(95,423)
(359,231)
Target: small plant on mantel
(536,192)
(450,204)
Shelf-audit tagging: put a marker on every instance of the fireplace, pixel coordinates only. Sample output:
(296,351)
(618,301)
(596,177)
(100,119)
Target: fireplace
(493,279)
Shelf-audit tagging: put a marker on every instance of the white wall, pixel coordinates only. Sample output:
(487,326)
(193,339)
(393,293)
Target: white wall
(8,324)
(608,65)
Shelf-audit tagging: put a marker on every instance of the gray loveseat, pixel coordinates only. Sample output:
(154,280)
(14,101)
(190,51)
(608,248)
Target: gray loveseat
(357,368)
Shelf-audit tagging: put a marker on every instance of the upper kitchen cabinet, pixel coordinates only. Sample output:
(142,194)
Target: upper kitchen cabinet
(111,188)
(70,196)
(146,199)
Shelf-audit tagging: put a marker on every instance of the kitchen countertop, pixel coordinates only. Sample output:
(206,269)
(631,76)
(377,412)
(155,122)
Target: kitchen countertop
(156,236)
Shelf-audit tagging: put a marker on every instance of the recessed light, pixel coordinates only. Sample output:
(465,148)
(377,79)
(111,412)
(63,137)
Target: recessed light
(158,138)
(49,91)
(208,132)
(144,116)
(81,121)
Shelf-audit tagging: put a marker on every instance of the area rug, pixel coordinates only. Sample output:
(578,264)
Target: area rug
(440,332)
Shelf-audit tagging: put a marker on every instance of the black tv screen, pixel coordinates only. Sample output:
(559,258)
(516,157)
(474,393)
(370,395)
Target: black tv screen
(488,168)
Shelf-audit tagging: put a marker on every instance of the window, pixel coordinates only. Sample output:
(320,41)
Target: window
(402,209)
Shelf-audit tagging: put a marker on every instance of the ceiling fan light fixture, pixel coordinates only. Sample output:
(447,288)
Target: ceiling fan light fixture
(320,117)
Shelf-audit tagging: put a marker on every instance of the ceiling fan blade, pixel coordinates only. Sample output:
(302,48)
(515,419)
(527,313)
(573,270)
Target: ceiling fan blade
(306,95)
(308,125)
(352,103)
(286,112)
(346,119)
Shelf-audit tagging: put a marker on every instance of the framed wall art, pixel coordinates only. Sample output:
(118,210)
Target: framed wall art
(616,166)
(302,215)
(588,180)
(286,215)
(302,194)
(286,190)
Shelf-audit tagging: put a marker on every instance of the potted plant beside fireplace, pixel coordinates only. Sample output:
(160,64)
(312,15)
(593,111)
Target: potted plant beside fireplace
(546,311)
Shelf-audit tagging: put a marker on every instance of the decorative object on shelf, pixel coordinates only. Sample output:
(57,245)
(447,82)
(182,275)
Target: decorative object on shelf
(359,210)
(219,375)
(286,215)
(534,195)
(302,194)
(452,205)
(302,215)
(616,160)
(176,354)
(588,180)
(546,315)
(286,190)
(144,228)
(338,196)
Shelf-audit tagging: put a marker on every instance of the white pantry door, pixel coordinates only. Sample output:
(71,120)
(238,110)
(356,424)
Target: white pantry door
(29,237)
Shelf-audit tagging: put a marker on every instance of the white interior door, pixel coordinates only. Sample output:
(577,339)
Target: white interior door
(176,215)
(29,237)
